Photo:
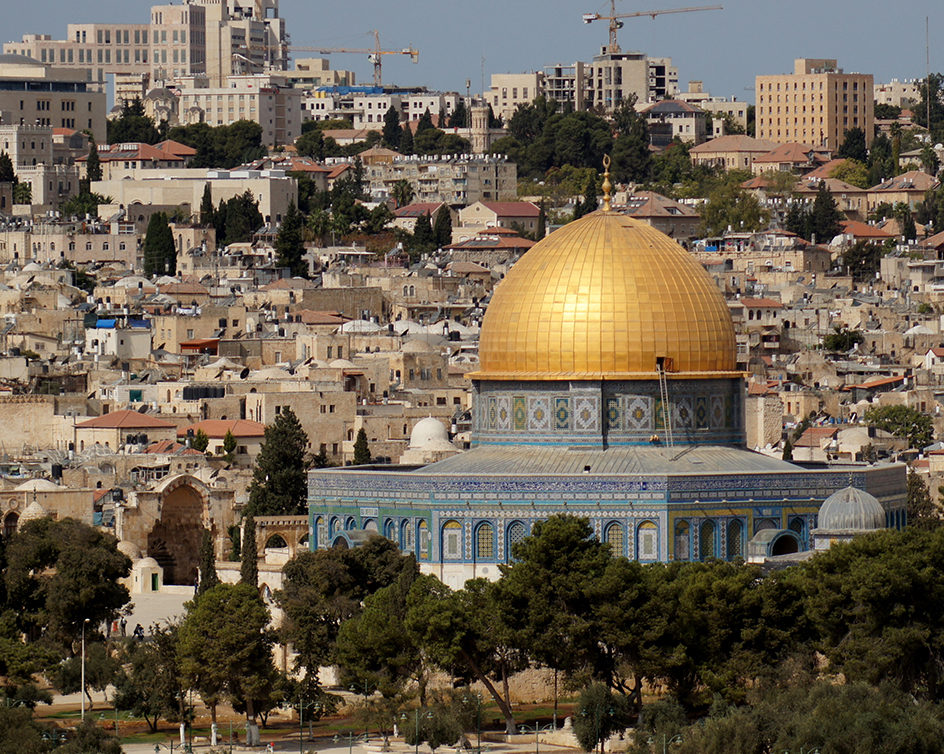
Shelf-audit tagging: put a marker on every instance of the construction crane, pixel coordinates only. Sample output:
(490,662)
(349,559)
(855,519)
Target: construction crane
(375,54)
(616,24)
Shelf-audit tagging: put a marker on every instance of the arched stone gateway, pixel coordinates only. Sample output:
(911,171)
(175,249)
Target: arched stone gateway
(282,532)
(174,542)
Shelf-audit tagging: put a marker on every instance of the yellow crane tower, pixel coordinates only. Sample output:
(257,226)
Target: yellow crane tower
(616,24)
(374,54)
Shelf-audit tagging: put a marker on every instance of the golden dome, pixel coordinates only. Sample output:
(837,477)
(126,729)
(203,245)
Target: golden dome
(606,297)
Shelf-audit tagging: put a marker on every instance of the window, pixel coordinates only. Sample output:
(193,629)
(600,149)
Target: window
(485,542)
(423,537)
(683,541)
(614,538)
(516,534)
(735,539)
(647,537)
(452,541)
(708,541)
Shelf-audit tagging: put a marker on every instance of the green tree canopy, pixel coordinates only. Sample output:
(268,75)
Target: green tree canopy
(160,252)
(132,125)
(361,448)
(826,218)
(289,242)
(7,174)
(902,421)
(730,206)
(279,485)
(842,339)
(442,227)
(311,144)
(148,685)
(391,129)
(853,146)
(93,166)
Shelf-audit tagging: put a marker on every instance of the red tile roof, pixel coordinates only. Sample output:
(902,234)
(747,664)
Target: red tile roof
(217,428)
(125,420)
(761,303)
(513,209)
(863,230)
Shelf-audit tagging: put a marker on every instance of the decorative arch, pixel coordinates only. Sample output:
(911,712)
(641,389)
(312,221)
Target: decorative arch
(422,540)
(321,532)
(451,540)
(390,530)
(735,544)
(174,542)
(485,541)
(708,540)
(276,541)
(334,528)
(615,536)
(406,535)
(515,533)
(10,524)
(647,541)
(370,524)
(350,524)
(683,540)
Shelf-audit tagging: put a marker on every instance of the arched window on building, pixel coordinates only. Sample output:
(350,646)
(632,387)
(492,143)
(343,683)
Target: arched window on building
(709,540)
(516,533)
(390,530)
(683,540)
(350,524)
(422,536)
(614,538)
(485,542)
(735,539)
(10,524)
(334,528)
(647,541)
(370,525)
(406,536)
(452,540)
(321,532)
(798,525)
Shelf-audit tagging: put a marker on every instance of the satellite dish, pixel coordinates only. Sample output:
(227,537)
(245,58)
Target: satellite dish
(244,374)
(143,409)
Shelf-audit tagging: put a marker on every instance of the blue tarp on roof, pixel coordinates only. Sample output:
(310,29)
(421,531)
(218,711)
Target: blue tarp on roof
(105,323)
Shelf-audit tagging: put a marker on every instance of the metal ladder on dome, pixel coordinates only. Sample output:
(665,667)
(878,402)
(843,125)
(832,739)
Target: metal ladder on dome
(666,407)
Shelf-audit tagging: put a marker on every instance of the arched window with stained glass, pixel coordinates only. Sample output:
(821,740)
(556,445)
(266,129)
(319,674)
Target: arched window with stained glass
(798,525)
(334,528)
(485,542)
(647,541)
(615,538)
(390,530)
(422,536)
(350,524)
(735,539)
(406,535)
(709,540)
(683,540)
(370,525)
(452,540)
(321,532)
(516,533)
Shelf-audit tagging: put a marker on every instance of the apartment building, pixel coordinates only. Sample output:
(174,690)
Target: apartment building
(459,180)
(312,73)
(37,161)
(898,93)
(266,99)
(816,104)
(417,103)
(568,84)
(615,76)
(508,90)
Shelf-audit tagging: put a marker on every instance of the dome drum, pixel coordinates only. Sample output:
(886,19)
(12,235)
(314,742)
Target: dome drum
(705,411)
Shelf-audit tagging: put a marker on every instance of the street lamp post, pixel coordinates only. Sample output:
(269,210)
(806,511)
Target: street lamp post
(365,688)
(301,706)
(351,738)
(478,720)
(82,690)
(416,726)
(666,741)
(537,730)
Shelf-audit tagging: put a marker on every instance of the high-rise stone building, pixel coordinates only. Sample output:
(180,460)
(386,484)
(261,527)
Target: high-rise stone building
(815,105)
(608,389)
(616,76)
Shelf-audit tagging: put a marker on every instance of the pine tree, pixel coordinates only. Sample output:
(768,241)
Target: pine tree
(361,448)
(93,165)
(7,175)
(442,228)
(249,565)
(406,139)
(200,441)
(229,444)
(391,129)
(442,119)
(460,116)
(321,460)
(423,239)
(208,576)
(825,216)
(426,122)
(206,206)
(279,485)
(290,244)
(160,253)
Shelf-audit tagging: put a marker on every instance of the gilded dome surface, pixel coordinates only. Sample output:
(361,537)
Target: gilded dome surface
(606,297)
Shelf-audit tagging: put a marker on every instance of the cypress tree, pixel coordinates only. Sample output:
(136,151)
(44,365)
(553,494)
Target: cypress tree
(442,228)
(279,486)
(7,175)
(93,166)
(423,238)
(459,116)
(249,566)
(406,140)
(361,448)
(542,223)
(391,129)
(825,216)
(426,122)
(289,243)
(160,253)
(208,575)
(206,206)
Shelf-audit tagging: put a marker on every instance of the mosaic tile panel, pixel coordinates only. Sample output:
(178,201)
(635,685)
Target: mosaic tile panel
(539,413)
(639,413)
(520,413)
(717,411)
(492,421)
(683,412)
(614,414)
(701,412)
(587,414)
(561,413)
(504,412)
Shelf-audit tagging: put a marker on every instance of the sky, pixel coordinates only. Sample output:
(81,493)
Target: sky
(724,49)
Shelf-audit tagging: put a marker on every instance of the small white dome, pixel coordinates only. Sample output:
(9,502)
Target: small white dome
(341,364)
(130,549)
(38,485)
(426,432)
(851,509)
(417,345)
(147,563)
(33,512)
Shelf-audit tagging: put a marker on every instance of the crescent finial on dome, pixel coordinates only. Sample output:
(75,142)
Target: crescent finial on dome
(607,186)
